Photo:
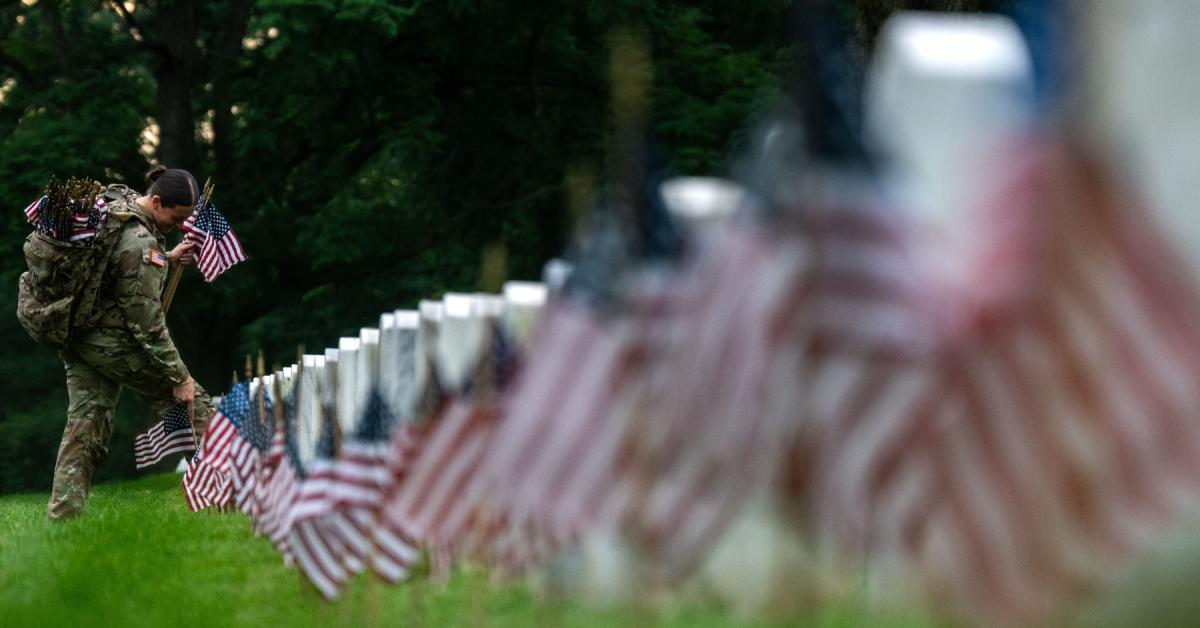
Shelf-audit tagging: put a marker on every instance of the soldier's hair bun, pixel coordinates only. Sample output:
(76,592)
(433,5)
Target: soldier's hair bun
(174,186)
(155,173)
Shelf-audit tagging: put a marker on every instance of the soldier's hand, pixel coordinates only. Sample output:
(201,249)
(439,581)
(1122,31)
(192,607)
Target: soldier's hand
(183,253)
(185,393)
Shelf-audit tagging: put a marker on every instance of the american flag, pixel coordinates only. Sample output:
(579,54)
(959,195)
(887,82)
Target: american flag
(440,501)
(218,244)
(246,447)
(368,464)
(556,443)
(721,421)
(1052,434)
(551,473)
(172,434)
(206,483)
(282,489)
(420,506)
(33,210)
(317,548)
(86,224)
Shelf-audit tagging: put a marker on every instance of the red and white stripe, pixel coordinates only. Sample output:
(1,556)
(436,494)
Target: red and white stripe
(423,503)
(282,492)
(217,255)
(31,210)
(317,550)
(205,486)
(553,458)
(243,471)
(206,483)
(714,422)
(1050,436)
(362,474)
(191,233)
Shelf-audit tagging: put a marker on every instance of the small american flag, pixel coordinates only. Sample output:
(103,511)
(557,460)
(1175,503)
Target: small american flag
(442,470)
(282,490)
(33,210)
(86,224)
(367,465)
(1052,435)
(317,548)
(556,443)
(173,434)
(245,446)
(206,482)
(204,485)
(219,246)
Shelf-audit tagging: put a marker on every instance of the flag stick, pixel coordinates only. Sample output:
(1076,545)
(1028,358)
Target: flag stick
(172,284)
(177,269)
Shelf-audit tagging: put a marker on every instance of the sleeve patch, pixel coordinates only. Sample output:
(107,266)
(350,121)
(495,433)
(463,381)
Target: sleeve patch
(153,257)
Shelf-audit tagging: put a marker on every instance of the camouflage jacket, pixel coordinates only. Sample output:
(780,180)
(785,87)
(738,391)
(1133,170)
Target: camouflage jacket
(128,315)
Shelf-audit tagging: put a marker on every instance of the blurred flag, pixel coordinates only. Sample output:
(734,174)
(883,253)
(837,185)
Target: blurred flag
(440,473)
(317,549)
(219,247)
(556,441)
(368,464)
(551,474)
(283,488)
(1051,435)
(172,434)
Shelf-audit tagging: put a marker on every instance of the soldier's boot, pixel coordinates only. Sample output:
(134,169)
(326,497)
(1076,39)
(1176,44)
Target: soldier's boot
(84,445)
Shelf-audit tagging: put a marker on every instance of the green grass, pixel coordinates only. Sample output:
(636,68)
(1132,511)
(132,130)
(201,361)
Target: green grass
(138,558)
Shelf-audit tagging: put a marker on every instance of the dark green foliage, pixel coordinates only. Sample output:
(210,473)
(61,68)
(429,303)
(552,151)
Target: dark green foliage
(366,151)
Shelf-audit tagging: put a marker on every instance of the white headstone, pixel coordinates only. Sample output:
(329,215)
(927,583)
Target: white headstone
(427,342)
(366,369)
(463,334)
(347,383)
(397,361)
(942,92)
(308,405)
(523,305)
(697,200)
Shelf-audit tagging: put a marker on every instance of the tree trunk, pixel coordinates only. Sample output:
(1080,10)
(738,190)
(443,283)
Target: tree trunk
(229,49)
(177,32)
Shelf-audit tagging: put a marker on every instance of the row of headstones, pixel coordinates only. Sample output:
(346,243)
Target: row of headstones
(941,87)
(440,339)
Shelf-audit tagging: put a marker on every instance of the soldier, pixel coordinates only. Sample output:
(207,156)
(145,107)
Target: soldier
(125,342)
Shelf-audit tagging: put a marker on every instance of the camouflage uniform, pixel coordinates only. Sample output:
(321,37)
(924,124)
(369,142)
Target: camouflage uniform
(124,343)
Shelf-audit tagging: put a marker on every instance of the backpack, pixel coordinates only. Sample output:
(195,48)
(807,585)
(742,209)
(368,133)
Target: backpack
(59,290)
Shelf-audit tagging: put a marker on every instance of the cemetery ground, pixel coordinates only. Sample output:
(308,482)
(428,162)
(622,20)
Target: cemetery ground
(139,558)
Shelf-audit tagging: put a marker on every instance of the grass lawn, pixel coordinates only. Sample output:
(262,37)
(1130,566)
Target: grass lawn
(138,557)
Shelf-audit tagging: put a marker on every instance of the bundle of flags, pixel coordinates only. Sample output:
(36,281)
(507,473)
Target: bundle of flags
(70,211)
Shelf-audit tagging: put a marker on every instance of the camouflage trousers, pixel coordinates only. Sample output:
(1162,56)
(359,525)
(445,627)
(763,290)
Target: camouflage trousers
(94,382)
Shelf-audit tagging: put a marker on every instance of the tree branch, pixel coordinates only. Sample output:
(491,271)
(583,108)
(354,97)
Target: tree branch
(135,30)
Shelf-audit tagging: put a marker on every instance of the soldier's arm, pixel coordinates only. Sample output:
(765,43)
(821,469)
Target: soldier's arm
(137,292)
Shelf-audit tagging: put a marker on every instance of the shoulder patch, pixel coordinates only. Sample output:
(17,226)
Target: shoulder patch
(154,257)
